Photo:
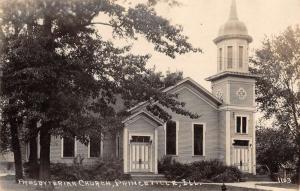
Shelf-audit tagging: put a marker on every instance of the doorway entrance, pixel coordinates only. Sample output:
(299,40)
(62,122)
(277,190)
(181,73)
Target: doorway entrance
(242,155)
(140,154)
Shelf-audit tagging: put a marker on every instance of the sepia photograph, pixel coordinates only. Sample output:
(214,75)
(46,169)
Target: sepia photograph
(150,95)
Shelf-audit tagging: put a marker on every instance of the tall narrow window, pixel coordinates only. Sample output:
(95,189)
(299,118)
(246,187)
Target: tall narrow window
(229,57)
(238,124)
(241,124)
(244,124)
(68,147)
(95,147)
(241,56)
(171,138)
(198,139)
(220,58)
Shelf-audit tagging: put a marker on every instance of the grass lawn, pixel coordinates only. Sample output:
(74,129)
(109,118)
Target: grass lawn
(282,185)
(10,185)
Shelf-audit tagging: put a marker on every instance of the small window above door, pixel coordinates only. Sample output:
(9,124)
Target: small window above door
(140,139)
(241,143)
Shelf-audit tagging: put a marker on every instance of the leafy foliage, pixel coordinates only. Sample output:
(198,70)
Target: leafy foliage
(202,171)
(278,88)
(103,170)
(278,64)
(274,147)
(58,64)
(59,70)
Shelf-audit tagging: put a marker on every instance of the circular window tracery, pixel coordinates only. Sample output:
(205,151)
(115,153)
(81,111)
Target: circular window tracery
(241,93)
(219,94)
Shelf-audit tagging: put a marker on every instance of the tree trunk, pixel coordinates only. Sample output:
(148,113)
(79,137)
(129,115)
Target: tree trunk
(32,126)
(45,139)
(33,161)
(16,150)
(298,159)
(298,170)
(33,167)
(33,150)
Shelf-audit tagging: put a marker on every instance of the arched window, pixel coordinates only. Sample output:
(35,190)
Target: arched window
(241,56)
(229,57)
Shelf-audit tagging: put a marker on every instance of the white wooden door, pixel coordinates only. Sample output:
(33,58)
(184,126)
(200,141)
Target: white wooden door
(242,158)
(140,155)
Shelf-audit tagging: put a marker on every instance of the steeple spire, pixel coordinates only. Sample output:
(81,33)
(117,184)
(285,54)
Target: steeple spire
(233,11)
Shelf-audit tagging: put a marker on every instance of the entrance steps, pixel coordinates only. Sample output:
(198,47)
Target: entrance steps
(147,177)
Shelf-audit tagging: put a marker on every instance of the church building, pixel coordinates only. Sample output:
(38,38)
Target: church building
(225,129)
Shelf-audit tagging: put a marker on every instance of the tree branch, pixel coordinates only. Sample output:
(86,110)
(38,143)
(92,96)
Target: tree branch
(100,23)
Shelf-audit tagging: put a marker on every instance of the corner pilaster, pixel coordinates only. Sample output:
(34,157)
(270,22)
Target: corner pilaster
(125,148)
(227,141)
(155,151)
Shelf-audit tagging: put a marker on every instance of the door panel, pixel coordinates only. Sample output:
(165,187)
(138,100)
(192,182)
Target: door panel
(140,155)
(241,158)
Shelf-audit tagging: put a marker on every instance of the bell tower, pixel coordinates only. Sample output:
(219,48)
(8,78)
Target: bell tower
(235,86)
(232,44)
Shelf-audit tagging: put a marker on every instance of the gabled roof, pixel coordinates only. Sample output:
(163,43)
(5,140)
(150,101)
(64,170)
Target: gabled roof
(148,114)
(193,83)
(198,87)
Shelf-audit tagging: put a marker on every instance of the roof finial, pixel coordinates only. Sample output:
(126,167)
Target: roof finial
(233,11)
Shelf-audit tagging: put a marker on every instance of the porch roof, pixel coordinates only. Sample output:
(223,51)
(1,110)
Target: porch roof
(146,113)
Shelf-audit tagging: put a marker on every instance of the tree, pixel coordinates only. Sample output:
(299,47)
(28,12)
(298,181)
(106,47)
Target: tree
(278,88)
(274,147)
(60,68)
(12,120)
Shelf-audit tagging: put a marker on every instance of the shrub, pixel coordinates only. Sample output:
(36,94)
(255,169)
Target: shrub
(230,174)
(295,178)
(109,170)
(66,172)
(204,171)
(164,164)
(102,170)
(31,170)
(172,169)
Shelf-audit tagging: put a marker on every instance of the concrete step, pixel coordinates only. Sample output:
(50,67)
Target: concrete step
(147,177)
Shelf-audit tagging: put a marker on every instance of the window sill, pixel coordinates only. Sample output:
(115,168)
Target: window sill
(94,157)
(172,155)
(198,156)
(67,157)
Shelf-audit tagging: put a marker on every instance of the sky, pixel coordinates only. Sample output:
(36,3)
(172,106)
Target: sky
(201,20)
